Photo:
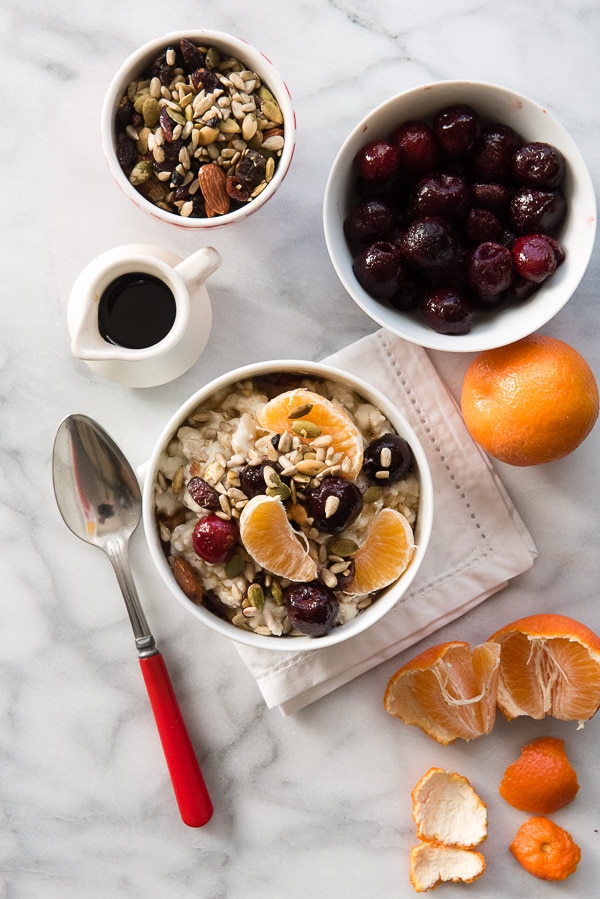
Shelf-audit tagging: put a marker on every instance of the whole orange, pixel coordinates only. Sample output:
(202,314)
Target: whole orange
(530,402)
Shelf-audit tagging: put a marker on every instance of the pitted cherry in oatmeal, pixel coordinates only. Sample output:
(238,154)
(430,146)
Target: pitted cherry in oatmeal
(286,504)
(198,134)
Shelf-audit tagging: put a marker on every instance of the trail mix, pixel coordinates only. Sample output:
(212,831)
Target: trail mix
(264,524)
(198,134)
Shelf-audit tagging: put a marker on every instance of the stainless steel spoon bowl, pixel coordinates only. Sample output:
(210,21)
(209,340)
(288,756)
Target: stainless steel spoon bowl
(99,498)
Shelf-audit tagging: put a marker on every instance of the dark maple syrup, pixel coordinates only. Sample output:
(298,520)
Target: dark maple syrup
(136,311)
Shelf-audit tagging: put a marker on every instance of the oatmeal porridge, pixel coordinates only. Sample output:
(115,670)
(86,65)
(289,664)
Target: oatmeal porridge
(286,504)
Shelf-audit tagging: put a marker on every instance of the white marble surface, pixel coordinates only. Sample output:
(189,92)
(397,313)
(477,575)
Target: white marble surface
(316,804)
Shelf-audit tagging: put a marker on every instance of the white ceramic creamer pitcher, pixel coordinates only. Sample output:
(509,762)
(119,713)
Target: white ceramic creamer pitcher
(189,319)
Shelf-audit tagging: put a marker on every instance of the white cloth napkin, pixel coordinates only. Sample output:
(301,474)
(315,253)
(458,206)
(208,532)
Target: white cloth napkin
(477,543)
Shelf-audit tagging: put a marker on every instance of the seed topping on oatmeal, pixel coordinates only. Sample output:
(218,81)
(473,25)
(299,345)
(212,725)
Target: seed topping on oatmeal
(253,507)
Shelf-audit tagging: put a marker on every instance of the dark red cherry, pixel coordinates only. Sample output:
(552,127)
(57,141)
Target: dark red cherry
(442,195)
(312,608)
(492,157)
(539,165)
(334,504)
(429,243)
(448,311)
(371,220)
(457,129)
(490,269)
(380,269)
(533,211)
(482,225)
(534,257)
(419,151)
(214,539)
(377,159)
(492,196)
(387,459)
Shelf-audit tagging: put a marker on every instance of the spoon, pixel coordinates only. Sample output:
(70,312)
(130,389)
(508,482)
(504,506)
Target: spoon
(99,499)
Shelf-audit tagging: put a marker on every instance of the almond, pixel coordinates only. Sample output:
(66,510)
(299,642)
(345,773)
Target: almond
(212,181)
(187,579)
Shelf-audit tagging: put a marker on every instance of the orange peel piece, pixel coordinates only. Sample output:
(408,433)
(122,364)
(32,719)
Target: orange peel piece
(433,863)
(446,809)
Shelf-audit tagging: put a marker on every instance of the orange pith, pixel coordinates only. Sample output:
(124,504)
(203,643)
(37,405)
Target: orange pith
(270,539)
(545,850)
(542,779)
(550,665)
(446,808)
(451,820)
(448,691)
(531,402)
(330,420)
(384,554)
(432,863)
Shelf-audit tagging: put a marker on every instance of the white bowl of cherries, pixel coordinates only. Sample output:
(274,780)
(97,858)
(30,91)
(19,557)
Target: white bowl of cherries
(460,215)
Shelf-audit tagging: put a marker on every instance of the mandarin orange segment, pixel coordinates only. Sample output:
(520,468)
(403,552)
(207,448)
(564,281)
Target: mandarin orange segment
(530,402)
(269,538)
(542,779)
(385,553)
(550,665)
(433,863)
(545,850)
(446,809)
(448,691)
(288,411)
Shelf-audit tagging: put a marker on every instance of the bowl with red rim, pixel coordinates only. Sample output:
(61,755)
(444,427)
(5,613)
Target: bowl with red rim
(515,311)
(174,511)
(191,99)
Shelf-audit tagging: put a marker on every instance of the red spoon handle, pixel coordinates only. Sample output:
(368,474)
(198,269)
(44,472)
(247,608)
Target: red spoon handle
(192,796)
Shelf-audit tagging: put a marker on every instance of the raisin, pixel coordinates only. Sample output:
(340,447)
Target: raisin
(238,189)
(203,494)
(161,69)
(205,78)
(193,57)
(126,151)
(251,168)
(166,124)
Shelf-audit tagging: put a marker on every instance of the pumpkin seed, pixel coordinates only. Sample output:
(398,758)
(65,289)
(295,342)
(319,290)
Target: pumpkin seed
(235,566)
(300,411)
(306,429)
(342,546)
(256,596)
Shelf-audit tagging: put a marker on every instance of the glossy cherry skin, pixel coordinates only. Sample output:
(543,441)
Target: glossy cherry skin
(390,455)
(380,269)
(448,311)
(214,539)
(539,165)
(534,257)
(490,269)
(312,608)
(349,504)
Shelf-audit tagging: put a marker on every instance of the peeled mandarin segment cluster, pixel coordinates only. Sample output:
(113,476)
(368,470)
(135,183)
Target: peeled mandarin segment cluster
(545,850)
(550,665)
(448,691)
(385,553)
(288,411)
(270,539)
(451,820)
(542,779)
(531,402)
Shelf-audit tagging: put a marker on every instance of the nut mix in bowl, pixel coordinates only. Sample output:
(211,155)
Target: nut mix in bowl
(288,505)
(198,128)
(460,215)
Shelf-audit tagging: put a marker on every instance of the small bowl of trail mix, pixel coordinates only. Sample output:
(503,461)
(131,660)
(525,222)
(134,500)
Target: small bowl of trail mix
(288,505)
(460,215)
(198,129)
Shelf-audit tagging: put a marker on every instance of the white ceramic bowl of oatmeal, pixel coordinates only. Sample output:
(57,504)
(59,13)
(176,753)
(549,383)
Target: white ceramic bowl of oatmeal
(247,117)
(212,439)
